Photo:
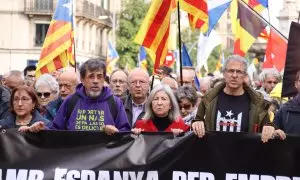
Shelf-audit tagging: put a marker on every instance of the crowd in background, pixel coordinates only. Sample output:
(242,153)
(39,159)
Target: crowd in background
(89,99)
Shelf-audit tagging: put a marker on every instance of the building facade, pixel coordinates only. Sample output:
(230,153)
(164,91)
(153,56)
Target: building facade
(25,24)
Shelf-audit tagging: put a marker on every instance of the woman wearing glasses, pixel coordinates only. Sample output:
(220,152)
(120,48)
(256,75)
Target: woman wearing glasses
(24,109)
(161,113)
(47,90)
(187,100)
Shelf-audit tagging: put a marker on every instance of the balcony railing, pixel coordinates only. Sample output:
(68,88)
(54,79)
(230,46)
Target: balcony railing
(92,11)
(84,8)
(39,7)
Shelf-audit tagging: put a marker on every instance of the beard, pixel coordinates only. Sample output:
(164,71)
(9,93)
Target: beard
(93,94)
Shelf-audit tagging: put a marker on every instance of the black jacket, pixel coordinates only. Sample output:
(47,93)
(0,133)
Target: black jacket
(288,116)
(4,102)
(128,108)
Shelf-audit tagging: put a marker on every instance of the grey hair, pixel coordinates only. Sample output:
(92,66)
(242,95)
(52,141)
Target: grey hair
(187,92)
(117,70)
(48,80)
(174,112)
(269,72)
(15,73)
(236,58)
(92,65)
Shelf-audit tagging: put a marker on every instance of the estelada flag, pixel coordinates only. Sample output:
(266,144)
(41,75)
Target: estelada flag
(292,63)
(57,50)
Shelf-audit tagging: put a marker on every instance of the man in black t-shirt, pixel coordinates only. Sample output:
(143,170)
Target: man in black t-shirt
(232,113)
(233,106)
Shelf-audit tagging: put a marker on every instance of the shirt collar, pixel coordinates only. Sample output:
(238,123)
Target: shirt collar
(138,105)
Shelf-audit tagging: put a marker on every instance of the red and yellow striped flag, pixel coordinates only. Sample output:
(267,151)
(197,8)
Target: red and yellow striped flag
(198,13)
(57,50)
(154,31)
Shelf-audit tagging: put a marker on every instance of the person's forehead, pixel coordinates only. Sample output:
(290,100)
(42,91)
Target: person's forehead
(235,65)
(271,76)
(119,75)
(184,100)
(138,76)
(190,71)
(161,93)
(67,77)
(21,92)
(98,71)
(31,72)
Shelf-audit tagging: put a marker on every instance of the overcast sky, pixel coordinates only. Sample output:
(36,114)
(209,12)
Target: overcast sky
(274,8)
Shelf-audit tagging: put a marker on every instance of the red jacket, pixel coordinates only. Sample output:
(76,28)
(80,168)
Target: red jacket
(148,125)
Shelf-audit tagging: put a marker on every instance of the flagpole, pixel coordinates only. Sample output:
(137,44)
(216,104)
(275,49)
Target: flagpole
(179,34)
(74,29)
(265,21)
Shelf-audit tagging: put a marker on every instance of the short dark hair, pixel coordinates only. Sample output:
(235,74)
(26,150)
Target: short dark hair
(92,65)
(29,68)
(297,75)
(165,69)
(31,92)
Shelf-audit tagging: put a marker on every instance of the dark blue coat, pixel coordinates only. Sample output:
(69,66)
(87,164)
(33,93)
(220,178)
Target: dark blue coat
(52,108)
(10,120)
(288,116)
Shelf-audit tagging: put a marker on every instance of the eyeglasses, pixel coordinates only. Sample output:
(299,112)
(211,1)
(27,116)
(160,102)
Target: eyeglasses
(23,99)
(45,94)
(29,77)
(272,82)
(115,81)
(68,86)
(232,71)
(138,82)
(186,106)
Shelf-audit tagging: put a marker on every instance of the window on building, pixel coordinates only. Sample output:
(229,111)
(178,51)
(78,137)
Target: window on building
(40,33)
(43,5)
(105,4)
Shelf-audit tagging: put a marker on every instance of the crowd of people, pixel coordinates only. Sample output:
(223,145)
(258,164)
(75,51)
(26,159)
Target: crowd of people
(133,101)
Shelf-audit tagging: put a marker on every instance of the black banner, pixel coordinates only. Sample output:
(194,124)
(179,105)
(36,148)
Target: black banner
(62,155)
(292,63)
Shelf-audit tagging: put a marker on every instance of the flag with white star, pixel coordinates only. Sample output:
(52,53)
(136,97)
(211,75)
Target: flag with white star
(57,50)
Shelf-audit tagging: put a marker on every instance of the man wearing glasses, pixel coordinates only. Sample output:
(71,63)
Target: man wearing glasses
(232,106)
(138,85)
(67,81)
(118,83)
(29,74)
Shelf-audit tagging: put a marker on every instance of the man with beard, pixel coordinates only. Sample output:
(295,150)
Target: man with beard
(93,107)
(118,83)
(138,83)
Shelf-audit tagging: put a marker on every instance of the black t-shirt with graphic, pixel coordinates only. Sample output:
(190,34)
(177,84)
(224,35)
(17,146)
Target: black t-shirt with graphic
(232,113)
